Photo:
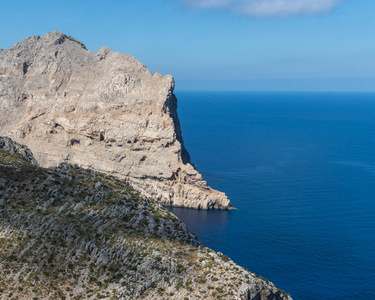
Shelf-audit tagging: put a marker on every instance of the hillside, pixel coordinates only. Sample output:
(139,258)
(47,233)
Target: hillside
(72,233)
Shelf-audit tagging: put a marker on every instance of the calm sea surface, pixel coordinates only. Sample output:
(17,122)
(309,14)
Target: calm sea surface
(300,168)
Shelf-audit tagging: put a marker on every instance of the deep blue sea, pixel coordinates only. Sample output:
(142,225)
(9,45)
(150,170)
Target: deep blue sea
(300,168)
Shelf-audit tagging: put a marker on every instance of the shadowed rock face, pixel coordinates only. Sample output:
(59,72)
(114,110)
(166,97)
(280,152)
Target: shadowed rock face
(101,110)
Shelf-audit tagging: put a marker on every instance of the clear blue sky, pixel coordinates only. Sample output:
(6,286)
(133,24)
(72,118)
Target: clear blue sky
(219,44)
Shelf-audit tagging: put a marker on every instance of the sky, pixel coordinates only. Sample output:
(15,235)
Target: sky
(260,45)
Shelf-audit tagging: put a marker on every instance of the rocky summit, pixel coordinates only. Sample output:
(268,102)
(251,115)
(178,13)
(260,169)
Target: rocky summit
(101,110)
(71,233)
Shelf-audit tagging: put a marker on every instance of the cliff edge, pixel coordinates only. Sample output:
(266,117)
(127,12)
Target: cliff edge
(101,110)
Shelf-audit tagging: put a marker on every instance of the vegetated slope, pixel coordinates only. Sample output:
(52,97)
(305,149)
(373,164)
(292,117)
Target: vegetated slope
(71,233)
(100,110)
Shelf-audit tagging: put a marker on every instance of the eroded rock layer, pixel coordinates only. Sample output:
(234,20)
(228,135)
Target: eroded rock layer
(101,110)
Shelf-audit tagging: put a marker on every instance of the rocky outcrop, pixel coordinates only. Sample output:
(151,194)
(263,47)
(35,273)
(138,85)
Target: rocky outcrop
(71,233)
(101,110)
(13,147)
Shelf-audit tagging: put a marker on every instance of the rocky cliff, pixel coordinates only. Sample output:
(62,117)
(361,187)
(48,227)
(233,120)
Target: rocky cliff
(101,110)
(71,233)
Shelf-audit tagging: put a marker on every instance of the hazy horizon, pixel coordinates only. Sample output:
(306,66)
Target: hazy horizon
(334,85)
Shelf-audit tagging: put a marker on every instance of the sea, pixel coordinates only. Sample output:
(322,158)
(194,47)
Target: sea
(300,169)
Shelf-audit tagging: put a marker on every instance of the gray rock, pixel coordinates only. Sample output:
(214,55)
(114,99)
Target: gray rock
(14,147)
(99,186)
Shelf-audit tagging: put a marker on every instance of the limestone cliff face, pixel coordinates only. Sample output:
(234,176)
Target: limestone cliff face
(101,110)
